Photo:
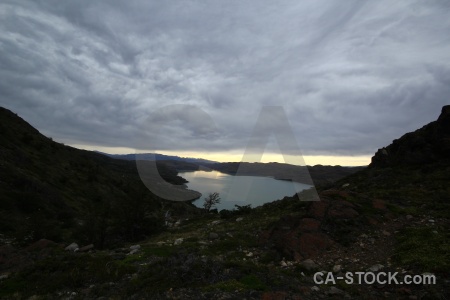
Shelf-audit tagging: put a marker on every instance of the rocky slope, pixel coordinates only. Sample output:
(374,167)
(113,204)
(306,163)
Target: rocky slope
(49,190)
(392,216)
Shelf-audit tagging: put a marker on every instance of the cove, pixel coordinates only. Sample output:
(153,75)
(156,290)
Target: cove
(239,190)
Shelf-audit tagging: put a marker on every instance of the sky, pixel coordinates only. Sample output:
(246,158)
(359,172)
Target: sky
(193,78)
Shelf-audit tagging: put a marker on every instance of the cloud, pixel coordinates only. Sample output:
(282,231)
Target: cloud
(351,76)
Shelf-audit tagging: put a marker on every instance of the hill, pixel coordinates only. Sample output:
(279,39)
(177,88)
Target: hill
(392,216)
(159,157)
(320,175)
(61,193)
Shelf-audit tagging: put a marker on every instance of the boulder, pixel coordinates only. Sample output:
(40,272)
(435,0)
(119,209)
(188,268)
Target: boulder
(213,236)
(41,244)
(86,248)
(309,265)
(72,247)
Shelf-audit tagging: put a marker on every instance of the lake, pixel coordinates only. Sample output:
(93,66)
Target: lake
(240,190)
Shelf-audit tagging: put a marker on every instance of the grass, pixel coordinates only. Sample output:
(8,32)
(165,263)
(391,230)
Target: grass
(425,248)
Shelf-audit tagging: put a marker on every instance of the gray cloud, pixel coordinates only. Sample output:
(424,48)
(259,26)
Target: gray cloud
(351,76)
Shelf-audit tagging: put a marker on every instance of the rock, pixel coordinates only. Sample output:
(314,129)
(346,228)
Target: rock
(308,265)
(216,222)
(135,247)
(345,185)
(213,236)
(239,219)
(178,241)
(335,291)
(4,276)
(431,221)
(41,244)
(409,217)
(283,263)
(337,268)
(315,289)
(87,248)
(309,224)
(386,233)
(134,251)
(375,268)
(250,254)
(229,234)
(379,204)
(72,247)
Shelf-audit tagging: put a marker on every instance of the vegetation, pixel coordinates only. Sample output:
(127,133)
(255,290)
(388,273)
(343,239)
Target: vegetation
(61,193)
(393,213)
(211,201)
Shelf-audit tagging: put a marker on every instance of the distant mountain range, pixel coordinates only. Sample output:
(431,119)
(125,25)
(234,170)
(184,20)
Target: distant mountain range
(158,157)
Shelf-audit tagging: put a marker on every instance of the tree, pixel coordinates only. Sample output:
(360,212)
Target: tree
(211,201)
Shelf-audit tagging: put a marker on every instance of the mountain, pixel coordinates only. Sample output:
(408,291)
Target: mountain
(58,192)
(159,157)
(320,175)
(392,216)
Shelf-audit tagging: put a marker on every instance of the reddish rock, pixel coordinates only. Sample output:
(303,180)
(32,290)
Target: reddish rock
(318,209)
(342,213)
(379,204)
(86,248)
(312,244)
(334,194)
(308,224)
(41,244)
(274,296)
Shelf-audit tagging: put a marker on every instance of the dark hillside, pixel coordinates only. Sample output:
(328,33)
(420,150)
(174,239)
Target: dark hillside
(49,190)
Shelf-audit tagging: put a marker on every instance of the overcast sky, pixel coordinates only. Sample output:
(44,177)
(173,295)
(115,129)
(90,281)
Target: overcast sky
(350,75)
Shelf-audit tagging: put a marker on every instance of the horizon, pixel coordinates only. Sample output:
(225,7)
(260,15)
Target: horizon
(349,77)
(310,160)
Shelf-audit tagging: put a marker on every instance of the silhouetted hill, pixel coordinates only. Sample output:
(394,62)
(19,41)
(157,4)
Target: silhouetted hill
(320,175)
(413,172)
(392,216)
(427,145)
(58,192)
(158,157)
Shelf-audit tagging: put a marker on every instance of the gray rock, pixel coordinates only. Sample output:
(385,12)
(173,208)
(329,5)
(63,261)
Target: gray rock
(178,241)
(134,251)
(375,268)
(337,268)
(118,256)
(135,247)
(72,247)
(216,222)
(409,217)
(308,265)
(335,291)
(4,276)
(213,236)
(315,289)
(239,219)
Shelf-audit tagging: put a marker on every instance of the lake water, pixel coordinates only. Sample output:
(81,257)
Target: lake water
(240,190)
